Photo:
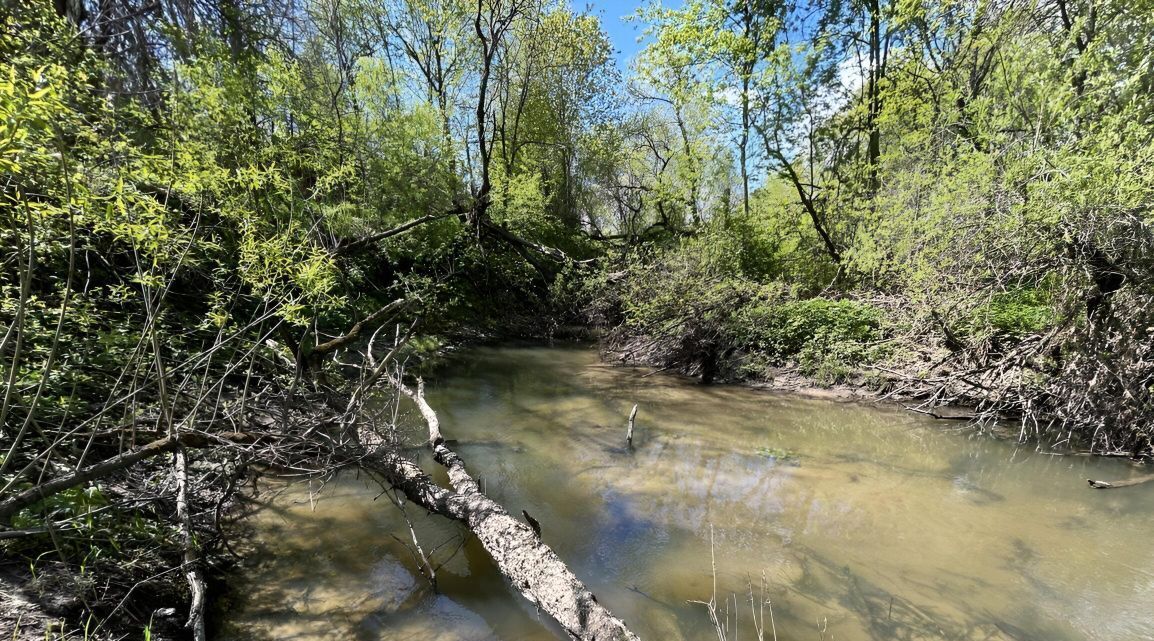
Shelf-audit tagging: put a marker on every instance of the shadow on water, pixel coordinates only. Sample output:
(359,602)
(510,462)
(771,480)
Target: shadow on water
(888,616)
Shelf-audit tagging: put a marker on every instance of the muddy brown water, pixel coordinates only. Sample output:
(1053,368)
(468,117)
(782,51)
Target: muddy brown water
(865,523)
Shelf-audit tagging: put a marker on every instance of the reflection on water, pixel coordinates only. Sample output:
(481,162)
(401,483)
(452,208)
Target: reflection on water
(867,523)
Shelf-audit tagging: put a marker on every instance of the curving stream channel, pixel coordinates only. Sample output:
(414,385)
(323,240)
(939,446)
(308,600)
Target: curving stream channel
(866,523)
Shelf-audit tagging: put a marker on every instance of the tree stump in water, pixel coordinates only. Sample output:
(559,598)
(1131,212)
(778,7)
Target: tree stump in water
(629,434)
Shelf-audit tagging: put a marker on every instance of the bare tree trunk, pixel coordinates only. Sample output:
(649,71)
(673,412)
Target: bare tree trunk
(806,198)
(873,91)
(745,144)
(488,51)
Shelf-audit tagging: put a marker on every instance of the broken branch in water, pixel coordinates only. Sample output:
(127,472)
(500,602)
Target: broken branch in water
(1110,485)
(629,434)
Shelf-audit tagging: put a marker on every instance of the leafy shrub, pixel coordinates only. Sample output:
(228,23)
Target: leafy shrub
(786,329)
(827,338)
(778,243)
(832,361)
(1011,314)
(676,309)
(691,309)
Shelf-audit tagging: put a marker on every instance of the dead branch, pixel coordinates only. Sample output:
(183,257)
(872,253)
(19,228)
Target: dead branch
(360,243)
(532,567)
(550,252)
(369,321)
(190,555)
(427,412)
(10,506)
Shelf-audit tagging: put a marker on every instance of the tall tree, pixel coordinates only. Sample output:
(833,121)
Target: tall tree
(726,44)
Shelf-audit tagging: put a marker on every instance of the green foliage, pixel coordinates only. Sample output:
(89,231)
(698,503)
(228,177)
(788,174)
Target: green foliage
(778,244)
(698,281)
(1014,314)
(784,329)
(680,304)
(191,208)
(74,505)
(828,339)
(692,308)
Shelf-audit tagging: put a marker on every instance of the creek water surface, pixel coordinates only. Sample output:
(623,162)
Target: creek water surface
(862,522)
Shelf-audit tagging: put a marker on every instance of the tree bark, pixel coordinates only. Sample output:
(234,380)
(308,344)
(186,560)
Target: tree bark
(532,567)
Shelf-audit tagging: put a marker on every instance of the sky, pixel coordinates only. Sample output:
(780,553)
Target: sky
(623,34)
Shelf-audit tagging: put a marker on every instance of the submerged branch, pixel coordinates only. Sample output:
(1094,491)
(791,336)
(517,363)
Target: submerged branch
(1110,485)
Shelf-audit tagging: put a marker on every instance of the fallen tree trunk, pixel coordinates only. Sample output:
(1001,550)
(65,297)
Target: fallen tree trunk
(545,250)
(20,500)
(361,243)
(532,567)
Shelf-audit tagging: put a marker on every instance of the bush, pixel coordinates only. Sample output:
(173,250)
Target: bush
(676,309)
(691,309)
(787,329)
(1013,314)
(827,338)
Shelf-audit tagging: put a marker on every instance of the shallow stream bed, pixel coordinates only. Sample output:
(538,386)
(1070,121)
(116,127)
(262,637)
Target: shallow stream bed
(865,523)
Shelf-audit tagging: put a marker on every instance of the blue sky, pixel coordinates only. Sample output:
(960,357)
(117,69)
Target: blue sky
(623,34)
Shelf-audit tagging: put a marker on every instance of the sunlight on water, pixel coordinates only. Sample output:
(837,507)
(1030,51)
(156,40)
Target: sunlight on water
(867,523)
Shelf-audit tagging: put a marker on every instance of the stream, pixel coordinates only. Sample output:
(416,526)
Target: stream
(856,522)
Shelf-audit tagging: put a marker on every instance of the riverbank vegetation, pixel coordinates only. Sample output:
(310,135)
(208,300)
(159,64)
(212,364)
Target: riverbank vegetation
(951,201)
(211,208)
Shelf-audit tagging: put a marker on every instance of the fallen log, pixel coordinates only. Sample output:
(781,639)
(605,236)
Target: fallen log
(532,567)
(361,243)
(549,252)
